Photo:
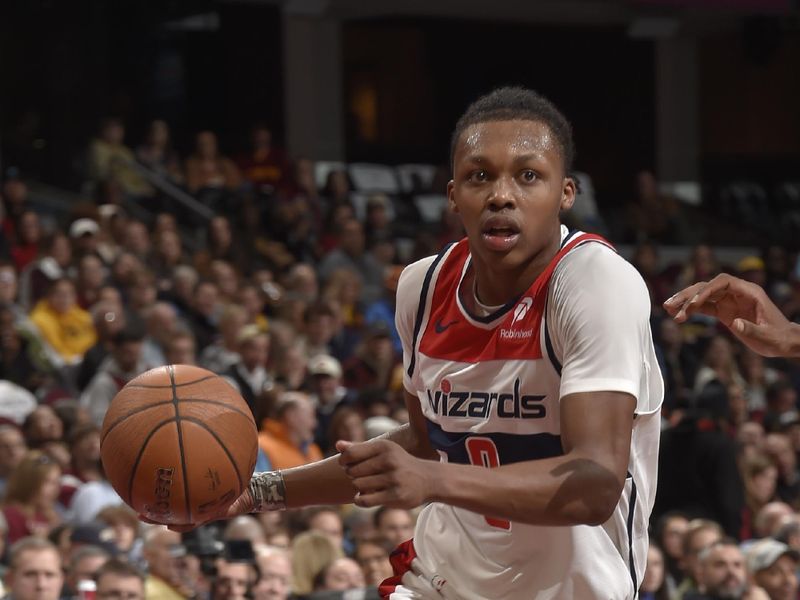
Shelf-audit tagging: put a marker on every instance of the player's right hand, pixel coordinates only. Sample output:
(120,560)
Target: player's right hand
(243,505)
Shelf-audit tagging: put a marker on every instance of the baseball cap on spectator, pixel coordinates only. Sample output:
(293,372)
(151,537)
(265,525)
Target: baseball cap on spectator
(82,227)
(762,555)
(95,534)
(324,364)
(750,263)
(378,329)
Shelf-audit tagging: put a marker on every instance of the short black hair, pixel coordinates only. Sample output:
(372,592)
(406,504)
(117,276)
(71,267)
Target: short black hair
(512,104)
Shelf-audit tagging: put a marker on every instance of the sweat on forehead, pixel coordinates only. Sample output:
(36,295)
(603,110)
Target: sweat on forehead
(518,136)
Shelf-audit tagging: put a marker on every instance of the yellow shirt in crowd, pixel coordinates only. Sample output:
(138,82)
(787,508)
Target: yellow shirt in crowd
(70,333)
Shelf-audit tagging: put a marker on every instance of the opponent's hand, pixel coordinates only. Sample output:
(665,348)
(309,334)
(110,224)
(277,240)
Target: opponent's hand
(386,475)
(743,307)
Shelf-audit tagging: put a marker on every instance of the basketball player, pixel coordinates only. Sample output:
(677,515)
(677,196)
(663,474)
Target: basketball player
(745,309)
(531,384)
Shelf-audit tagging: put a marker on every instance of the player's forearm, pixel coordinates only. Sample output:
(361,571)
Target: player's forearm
(794,341)
(325,482)
(565,490)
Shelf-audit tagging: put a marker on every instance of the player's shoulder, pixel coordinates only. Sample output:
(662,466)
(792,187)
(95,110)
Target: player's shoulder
(413,275)
(597,265)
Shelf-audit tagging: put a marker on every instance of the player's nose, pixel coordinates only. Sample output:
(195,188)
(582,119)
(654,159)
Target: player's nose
(501,194)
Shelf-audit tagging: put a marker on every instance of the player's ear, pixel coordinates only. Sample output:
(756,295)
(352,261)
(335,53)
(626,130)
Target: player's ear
(568,192)
(451,197)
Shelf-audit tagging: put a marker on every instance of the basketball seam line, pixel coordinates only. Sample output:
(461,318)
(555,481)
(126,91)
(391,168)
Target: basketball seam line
(221,445)
(167,386)
(164,403)
(139,456)
(175,401)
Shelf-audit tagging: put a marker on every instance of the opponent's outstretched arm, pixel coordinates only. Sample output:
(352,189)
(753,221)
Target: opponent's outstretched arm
(581,487)
(744,308)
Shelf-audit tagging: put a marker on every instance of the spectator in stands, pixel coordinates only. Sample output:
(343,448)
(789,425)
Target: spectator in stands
(42,425)
(29,506)
(83,565)
(346,424)
(162,550)
(291,369)
(698,474)
(224,352)
(90,279)
(302,282)
(760,477)
(251,298)
(181,349)
(773,566)
(25,247)
(221,244)
(781,400)
(12,451)
(65,327)
(758,377)
(125,525)
(161,322)
(119,580)
(168,256)
(9,287)
(373,558)
(85,235)
(311,552)
(84,464)
(51,265)
(328,521)
(204,313)
(124,363)
(779,447)
(266,167)
(719,364)
(250,373)
(373,362)
(652,215)
(15,203)
(34,570)
(654,582)
(207,169)
(327,392)
(234,581)
(110,160)
(679,364)
(378,220)
(288,439)
(157,154)
(770,518)
(340,575)
(646,260)
(337,188)
(109,318)
(226,278)
(395,525)
(721,572)
(351,254)
(136,240)
(18,360)
(701,266)
(180,288)
(669,533)
(700,535)
(275,578)
(244,528)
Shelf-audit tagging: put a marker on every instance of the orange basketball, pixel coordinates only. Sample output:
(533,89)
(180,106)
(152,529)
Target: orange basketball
(178,444)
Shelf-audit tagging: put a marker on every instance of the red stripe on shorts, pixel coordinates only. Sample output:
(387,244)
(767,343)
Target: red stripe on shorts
(401,564)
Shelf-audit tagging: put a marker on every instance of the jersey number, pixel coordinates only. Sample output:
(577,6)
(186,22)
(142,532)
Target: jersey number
(483,453)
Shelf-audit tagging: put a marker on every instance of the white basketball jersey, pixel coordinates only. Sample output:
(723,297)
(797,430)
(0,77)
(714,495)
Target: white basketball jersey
(490,387)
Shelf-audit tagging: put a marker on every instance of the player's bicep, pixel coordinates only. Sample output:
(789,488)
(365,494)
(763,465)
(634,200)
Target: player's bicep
(597,426)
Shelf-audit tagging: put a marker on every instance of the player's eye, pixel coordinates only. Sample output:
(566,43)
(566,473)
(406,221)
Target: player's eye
(478,176)
(528,175)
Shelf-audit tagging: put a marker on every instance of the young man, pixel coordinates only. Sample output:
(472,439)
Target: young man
(527,350)
(118,580)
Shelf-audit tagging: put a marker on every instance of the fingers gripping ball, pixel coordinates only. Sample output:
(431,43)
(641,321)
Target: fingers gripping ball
(179,444)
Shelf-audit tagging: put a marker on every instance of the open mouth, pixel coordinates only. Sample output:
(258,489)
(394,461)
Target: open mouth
(500,234)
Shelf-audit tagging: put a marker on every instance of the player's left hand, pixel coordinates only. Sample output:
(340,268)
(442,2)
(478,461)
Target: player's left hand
(385,474)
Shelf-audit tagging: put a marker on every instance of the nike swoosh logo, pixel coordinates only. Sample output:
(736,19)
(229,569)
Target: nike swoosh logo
(441,328)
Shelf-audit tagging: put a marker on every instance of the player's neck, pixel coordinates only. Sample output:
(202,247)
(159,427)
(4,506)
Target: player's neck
(497,287)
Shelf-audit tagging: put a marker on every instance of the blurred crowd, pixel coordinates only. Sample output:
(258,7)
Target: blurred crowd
(287,289)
